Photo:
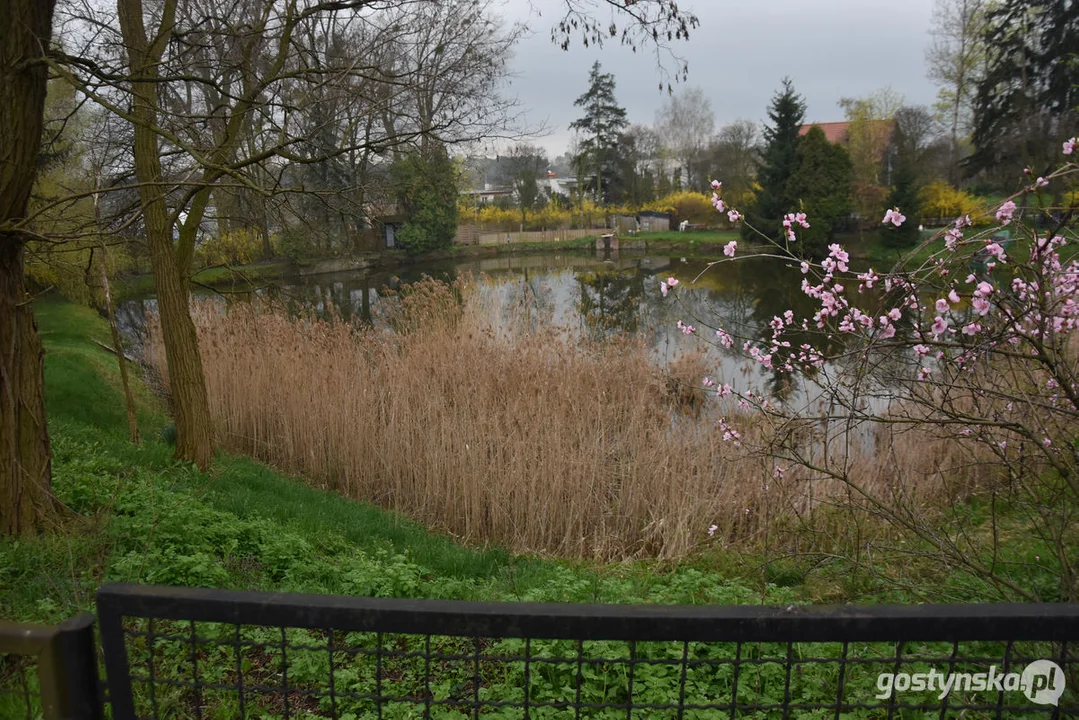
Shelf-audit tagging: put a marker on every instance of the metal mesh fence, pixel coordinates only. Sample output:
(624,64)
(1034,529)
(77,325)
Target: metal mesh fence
(195,654)
(20,694)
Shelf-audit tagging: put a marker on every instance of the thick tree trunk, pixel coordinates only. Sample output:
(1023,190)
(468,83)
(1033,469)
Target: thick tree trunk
(25,459)
(187,384)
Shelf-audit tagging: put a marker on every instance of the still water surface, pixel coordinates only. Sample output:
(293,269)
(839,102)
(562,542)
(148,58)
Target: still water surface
(593,294)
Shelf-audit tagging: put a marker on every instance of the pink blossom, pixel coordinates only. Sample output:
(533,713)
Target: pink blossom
(981,305)
(942,305)
(712,530)
(971,329)
(799,218)
(805,267)
(726,340)
(717,203)
(1004,214)
(940,326)
(923,373)
(730,247)
(1070,145)
(953,297)
(894,217)
(716,185)
(894,314)
(734,216)
(686,329)
(996,251)
(888,331)
(921,350)
(984,289)
(708,382)
(1040,183)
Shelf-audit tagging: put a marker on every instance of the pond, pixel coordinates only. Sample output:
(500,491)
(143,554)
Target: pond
(594,294)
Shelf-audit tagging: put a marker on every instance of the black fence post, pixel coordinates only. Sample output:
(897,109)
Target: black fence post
(78,653)
(117,670)
(67,669)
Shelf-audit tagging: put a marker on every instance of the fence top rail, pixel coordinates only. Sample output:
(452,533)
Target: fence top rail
(24,638)
(743,623)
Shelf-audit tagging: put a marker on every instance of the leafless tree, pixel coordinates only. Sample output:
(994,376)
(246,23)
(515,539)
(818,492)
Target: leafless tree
(686,123)
(735,155)
(954,59)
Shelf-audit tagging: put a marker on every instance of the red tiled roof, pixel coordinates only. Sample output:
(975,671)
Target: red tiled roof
(836,132)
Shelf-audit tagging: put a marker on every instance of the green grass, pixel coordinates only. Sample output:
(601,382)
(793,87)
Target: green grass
(692,237)
(876,248)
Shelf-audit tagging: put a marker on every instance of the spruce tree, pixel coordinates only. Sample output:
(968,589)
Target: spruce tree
(602,124)
(778,162)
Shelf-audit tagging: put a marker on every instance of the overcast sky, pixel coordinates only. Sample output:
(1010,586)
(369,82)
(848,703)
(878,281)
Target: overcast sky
(738,56)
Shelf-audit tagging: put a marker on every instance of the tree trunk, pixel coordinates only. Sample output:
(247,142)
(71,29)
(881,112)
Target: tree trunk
(26,501)
(25,458)
(187,384)
(129,399)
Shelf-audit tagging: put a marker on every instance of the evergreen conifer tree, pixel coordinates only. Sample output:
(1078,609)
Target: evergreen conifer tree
(602,124)
(778,163)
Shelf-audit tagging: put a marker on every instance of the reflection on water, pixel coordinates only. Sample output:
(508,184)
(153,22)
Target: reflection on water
(592,294)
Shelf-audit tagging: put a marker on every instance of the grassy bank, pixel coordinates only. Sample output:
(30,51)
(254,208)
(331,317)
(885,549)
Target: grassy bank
(130,513)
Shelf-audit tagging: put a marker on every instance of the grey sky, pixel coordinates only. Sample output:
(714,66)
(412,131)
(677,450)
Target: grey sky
(738,56)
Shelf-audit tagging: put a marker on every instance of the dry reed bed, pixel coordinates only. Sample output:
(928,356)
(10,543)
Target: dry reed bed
(530,439)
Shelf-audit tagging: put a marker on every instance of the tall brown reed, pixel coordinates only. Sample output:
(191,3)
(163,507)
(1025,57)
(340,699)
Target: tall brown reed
(530,438)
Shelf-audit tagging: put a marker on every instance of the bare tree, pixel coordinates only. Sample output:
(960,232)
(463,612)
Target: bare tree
(686,123)
(526,164)
(869,136)
(735,155)
(954,59)
(647,23)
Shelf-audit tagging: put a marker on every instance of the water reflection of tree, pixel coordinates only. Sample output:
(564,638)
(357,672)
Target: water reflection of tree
(610,301)
(529,301)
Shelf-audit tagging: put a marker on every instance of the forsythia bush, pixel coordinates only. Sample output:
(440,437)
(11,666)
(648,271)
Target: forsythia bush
(941,200)
(686,205)
(546,218)
(233,248)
